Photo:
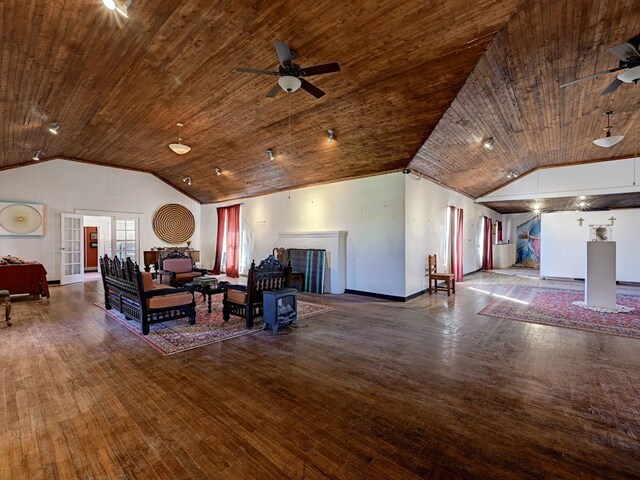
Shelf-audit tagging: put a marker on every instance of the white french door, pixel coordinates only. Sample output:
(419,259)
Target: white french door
(71,249)
(125,237)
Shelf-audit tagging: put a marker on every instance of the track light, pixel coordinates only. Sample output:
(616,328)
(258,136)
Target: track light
(187,180)
(489,143)
(511,174)
(332,135)
(218,171)
(54,127)
(271,154)
(38,156)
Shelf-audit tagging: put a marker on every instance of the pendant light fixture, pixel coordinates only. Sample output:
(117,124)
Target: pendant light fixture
(179,147)
(608,140)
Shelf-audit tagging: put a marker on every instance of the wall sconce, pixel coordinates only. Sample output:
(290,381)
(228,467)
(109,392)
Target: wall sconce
(187,180)
(332,135)
(489,143)
(54,127)
(218,171)
(271,154)
(38,156)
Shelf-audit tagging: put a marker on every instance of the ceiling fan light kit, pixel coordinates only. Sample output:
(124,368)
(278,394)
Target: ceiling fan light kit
(628,55)
(289,84)
(291,74)
(608,140)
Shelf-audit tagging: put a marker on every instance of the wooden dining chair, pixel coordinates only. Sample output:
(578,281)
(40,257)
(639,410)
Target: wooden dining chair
(449,279)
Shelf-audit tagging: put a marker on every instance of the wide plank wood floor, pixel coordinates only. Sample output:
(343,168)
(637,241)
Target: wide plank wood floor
(372,390)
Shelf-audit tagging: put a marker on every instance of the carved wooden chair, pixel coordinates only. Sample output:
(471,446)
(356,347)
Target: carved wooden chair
(449,279)
(179,268)
(246,302)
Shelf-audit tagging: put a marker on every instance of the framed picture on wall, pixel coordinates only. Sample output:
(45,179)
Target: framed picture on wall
(21,219)
(93,236)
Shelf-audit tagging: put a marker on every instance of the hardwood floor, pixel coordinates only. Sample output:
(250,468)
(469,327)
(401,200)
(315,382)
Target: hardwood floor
(373,390)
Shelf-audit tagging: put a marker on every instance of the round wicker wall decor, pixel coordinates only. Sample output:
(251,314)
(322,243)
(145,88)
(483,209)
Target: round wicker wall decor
(174,223)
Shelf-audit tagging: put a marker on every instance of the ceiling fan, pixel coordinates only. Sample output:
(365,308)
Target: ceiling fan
(291,74)
(629,66)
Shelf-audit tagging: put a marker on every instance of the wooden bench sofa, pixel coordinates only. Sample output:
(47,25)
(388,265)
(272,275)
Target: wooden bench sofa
(134,294)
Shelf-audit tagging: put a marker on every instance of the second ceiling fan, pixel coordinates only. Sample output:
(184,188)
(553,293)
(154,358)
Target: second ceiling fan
(291,74)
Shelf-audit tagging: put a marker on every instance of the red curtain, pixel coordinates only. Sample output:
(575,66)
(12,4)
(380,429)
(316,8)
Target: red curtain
(456,242)
(452,238)
(459,244)
(222,221)
(233,240)
(499,228)
(487,249)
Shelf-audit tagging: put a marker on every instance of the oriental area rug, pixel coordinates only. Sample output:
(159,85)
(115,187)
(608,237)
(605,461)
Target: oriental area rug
(178,336)
(549,306)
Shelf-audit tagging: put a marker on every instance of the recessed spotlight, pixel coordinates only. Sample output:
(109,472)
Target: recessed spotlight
(489,143)
(218,171)
(271,154)
(332,135)
(187,180)
(110,4)
(38,156)
(54,127)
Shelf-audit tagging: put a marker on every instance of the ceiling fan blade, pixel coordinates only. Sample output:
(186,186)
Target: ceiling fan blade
(312,89)
(274,91)
(625,51)
(255,70)
(595,75)
(320,69)
(284,54)
(613,86)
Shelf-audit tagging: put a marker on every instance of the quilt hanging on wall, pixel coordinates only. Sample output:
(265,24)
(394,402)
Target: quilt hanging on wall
(21,219)
(529,243)
(311,262)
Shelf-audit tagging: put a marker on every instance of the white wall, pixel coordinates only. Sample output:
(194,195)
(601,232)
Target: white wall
(426,212)
(371,210)
(65,186)
(564,243)
(596,178)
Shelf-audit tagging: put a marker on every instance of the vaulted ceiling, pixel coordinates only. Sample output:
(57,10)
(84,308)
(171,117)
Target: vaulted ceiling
(514,96)
(119,86)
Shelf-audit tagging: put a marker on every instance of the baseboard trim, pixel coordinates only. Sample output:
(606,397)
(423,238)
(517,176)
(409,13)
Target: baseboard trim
(53,282)
(382,296)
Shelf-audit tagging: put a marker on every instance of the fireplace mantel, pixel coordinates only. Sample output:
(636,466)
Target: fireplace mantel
(334,242)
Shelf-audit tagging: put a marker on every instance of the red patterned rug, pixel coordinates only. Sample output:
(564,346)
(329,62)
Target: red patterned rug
(177,336)
(554,307)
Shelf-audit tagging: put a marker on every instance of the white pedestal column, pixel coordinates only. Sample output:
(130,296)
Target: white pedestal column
(600,278)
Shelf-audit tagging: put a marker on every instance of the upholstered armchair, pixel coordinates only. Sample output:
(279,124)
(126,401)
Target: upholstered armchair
(179,268)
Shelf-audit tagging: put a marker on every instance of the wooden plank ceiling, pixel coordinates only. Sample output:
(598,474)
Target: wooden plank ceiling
(592,202)
(513,95)
(119,86)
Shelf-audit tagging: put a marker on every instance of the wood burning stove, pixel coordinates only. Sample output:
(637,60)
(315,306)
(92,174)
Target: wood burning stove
(280,308)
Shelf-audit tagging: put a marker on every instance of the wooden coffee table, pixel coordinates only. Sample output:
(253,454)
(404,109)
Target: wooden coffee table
(207,290)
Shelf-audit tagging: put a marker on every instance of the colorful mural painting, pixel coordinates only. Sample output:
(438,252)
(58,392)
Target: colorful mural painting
(529,243)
